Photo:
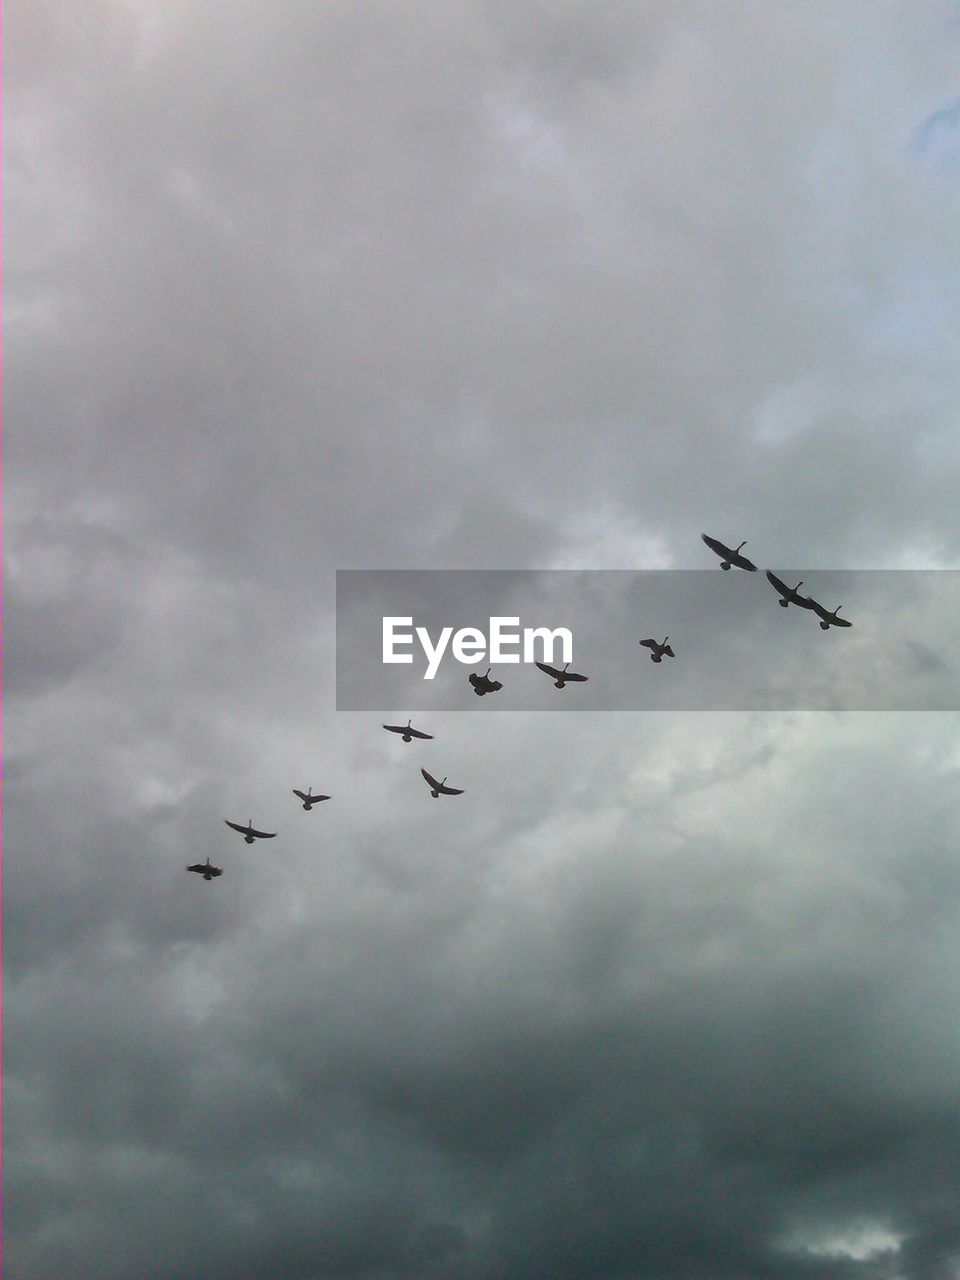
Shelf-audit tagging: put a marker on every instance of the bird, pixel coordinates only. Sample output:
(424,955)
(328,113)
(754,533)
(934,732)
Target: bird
(206,870)
(407,731)
(560,678)
(440,788)
(729,557)
(828,619)
(483,684)
(308,799)
(658,650)
(248,832)
(789,595)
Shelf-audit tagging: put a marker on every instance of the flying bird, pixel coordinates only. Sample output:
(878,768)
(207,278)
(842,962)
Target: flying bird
(560,678)
(308,800)
(407,732)
(729,557)
(658,649)
(483,684)
(789,595)
(248,832)
(828,619)
(440,788)
(206,870)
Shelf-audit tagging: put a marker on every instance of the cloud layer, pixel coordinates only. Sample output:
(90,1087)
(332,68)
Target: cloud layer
(295,288)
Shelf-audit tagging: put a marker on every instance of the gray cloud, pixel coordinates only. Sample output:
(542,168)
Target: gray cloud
(496,286)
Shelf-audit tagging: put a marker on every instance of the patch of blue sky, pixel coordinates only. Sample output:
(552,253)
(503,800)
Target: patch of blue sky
(920,315)
(937,138)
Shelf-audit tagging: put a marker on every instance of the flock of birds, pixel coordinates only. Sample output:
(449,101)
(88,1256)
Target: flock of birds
(788,595)
(250,833)
(483,685)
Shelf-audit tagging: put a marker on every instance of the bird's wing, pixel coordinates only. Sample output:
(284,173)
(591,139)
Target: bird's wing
(416,733)
(314,799)
(743,563)
(394,728)
(649,644)
(776,582)
(494,686)
(450,791)
(827,616)
(551,671)
(264,835)
(236,825)
(572,675)
(668,651)
(197,866)
(433,782)
(302,794)
(714,545)
(474,678)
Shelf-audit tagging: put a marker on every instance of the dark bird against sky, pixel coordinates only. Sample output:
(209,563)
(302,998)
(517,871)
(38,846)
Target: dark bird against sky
(309,800)
(658,649)
(560,678)
(789,595)
(407,731)
(206,870)
(729,556)
(483,684)
(249,833)
(828,619)
(440,788)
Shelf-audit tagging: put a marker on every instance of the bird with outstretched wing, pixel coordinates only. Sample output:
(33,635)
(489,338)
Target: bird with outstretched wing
(206,870)
(407,731)
(828,619)
(729,555)
(440,788)
(308,798)
(560,678)
(657,649)
(788,595)
(249,833)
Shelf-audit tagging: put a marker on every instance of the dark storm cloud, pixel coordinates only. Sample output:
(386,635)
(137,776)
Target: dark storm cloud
(608,1029)
(294,288)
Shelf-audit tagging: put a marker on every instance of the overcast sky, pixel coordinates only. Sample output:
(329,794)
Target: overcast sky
(295,287)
